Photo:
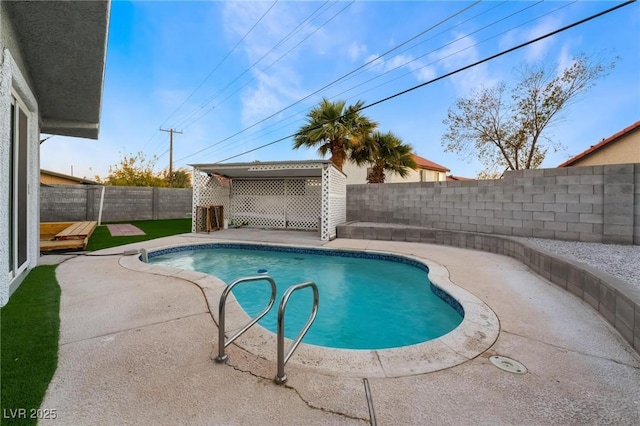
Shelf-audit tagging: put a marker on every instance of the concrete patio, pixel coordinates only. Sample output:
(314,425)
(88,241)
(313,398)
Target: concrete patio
(137,347)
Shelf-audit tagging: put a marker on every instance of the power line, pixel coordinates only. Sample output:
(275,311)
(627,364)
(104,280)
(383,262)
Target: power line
(328,85)
(449,74)
(449,55)
(261,72)
(208,76)
(408,62)
(362,66)
(219,92)
(221,62)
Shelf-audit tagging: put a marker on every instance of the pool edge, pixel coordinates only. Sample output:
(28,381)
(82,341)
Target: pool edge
(476,333)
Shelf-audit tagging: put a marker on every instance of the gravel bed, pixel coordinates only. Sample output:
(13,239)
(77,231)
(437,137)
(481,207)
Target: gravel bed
(620,261)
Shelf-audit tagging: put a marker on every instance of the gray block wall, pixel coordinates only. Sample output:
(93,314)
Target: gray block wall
(173,203)
(63,203)
(594,204)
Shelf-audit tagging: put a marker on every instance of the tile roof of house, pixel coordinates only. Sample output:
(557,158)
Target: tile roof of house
(423,163)
(635,126)
(454,178)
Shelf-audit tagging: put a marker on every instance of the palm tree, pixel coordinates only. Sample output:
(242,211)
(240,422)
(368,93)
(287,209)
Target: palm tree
(334,129)
(384,152)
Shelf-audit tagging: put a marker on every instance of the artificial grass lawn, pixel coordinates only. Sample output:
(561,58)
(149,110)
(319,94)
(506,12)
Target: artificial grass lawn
(101,238)
(29,328)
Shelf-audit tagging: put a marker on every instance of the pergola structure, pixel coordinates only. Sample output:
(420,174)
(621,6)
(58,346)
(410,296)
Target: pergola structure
(300,195)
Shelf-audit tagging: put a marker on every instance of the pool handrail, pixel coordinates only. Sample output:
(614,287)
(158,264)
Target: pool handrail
(281,377)
(222,343)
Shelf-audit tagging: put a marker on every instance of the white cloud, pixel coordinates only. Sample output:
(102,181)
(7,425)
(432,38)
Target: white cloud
(462,52)
(278,78)
(539,49)
(356,50)
(418,67)
(508,40)
(271,93)
(565,59)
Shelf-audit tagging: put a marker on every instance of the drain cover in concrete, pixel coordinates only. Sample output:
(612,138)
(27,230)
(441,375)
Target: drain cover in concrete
(508,364)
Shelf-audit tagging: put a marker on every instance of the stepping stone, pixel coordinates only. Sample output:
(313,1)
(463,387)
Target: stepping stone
(124,229)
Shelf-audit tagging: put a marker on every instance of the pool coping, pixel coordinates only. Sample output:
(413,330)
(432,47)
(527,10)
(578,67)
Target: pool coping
(476,333)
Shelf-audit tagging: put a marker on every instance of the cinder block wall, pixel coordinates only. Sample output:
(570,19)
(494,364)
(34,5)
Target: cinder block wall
(63,203)
(173,203)
(125,203)
(121,203)
(594,203)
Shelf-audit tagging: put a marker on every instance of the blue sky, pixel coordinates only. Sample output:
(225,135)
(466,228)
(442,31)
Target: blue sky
(165,68)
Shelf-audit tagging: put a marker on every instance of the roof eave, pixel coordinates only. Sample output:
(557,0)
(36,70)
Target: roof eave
(65,45)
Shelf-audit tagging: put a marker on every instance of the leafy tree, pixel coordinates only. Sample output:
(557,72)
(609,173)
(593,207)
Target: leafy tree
(334,129)
(137,170)
(384,152)
(489,174)
(181,179)
(133,170)
(505,127)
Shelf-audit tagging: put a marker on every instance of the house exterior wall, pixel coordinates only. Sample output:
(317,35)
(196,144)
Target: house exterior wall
(413,176)
(358,174)
(9,41)
(55,180)
(432,176)
(355,174)
(14,79)
(626,149)
(592,204)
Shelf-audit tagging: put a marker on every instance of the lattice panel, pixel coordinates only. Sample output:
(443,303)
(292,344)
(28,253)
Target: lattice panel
(303,203)
(277,203)
(265,188)
(208,191)
(259,211)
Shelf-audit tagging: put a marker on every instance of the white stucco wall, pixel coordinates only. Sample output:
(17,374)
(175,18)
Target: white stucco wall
(358,175)
(355,174)
(9,40)
(13,78)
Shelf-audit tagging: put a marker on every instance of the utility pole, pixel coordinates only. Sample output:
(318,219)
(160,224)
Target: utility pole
(171,132)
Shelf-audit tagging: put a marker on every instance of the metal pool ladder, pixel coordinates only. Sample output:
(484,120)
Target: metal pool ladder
(222,342)
(281,377)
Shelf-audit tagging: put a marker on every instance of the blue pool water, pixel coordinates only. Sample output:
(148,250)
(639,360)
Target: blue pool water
(365,303)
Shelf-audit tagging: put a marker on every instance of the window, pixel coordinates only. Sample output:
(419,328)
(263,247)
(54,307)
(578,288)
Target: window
(18,146)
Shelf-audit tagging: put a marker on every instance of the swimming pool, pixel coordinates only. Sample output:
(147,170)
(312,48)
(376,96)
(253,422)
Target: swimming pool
(367,300)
